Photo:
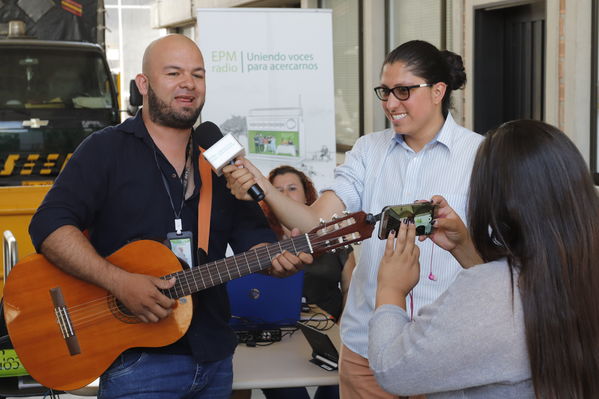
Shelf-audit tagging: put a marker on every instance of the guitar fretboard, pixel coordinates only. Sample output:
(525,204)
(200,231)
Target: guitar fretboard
(210,274)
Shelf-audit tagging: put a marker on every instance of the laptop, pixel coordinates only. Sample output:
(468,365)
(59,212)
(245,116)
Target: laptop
(324,353)
(260,301)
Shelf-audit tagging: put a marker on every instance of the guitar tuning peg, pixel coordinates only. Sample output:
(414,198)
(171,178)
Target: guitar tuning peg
(334,217)
(322,221)
(333,250)
(358,243)
(346,246)
(346,212)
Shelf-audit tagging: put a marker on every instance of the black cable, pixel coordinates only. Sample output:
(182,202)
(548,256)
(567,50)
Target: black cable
(319,319)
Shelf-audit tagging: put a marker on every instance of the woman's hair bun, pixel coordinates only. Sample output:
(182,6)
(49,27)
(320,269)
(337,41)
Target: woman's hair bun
(455,68)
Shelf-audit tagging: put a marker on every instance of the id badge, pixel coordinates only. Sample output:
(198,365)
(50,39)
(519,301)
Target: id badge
(181,245)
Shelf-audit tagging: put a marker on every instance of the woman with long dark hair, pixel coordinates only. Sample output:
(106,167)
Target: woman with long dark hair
(522,319)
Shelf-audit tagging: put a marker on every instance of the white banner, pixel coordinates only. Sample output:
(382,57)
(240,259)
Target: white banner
(269,78)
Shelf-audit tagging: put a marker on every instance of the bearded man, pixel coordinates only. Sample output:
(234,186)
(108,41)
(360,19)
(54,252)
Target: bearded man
(140,180)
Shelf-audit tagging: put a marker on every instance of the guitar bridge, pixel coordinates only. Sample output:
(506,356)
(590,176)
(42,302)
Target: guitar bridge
(64,321)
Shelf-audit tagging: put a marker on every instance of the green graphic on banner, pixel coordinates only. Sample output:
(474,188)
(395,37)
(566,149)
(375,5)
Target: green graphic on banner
(266,142)
(10,365)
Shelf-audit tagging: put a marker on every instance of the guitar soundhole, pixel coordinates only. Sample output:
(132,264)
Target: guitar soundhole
(121,312)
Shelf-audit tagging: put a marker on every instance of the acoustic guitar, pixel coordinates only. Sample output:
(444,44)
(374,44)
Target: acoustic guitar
(67,332)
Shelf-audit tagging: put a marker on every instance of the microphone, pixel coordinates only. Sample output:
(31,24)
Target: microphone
(222,151)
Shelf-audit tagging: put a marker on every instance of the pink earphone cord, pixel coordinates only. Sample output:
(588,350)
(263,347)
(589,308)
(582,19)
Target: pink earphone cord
(431,277)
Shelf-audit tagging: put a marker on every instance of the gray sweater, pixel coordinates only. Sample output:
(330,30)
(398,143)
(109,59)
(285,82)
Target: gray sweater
(469,343)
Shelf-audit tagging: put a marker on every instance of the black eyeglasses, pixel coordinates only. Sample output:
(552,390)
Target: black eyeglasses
(402,93)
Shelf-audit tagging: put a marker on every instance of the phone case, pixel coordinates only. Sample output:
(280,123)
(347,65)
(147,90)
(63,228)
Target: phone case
(422,221)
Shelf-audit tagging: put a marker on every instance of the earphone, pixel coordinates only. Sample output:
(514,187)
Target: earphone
(431,276)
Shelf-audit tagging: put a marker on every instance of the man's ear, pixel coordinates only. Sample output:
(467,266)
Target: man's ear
(141,81)
(439,90)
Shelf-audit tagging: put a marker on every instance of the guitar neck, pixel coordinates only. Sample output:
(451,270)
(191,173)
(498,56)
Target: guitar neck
(211,274)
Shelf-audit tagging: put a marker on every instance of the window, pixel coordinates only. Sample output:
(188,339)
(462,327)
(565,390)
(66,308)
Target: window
(38,79)
(346,61)
(129,31)
(416,19)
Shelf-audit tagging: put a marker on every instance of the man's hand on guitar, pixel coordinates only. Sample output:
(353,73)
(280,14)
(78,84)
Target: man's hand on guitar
(141,295)
(286,264)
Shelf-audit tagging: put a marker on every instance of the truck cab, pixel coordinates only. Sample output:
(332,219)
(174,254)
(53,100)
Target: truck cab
(52,95)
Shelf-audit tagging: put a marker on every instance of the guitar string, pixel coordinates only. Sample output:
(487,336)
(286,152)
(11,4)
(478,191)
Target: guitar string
(185,274)
(100,302)
(102,310)
(92,318)
(81,322)
(181,274)
(185,277)
(314,241)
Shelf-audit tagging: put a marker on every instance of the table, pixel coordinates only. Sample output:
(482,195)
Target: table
(282,364)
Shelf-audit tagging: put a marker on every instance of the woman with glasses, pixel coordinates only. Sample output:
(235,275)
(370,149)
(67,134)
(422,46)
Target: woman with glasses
(424,152)
(521,320)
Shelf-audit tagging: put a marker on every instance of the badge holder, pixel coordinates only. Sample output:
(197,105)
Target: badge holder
(182,246)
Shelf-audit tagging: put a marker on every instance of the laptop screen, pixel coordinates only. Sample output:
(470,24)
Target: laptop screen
(265,301)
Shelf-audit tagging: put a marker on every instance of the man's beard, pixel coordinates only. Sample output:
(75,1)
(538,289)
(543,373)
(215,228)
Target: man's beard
(163,114)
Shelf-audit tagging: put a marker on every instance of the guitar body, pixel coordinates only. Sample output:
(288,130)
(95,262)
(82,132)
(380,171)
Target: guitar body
(102,329)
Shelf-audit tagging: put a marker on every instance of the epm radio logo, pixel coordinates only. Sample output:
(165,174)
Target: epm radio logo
(33,164)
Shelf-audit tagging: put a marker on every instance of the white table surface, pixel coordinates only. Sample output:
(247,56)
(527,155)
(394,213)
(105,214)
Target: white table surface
(281,364)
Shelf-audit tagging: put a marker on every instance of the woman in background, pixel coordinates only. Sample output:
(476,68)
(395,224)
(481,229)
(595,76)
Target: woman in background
(327,279)
(522,318)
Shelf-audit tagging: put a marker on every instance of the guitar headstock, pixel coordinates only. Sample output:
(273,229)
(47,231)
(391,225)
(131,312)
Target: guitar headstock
(342,231)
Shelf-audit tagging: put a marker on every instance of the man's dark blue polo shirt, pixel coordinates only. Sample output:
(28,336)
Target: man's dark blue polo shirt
(112,187)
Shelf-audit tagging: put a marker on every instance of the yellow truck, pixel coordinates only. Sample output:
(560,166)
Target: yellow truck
(52,95)
(56,88)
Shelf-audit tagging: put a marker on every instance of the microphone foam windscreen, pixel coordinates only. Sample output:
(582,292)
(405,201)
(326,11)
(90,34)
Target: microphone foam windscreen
(208,134)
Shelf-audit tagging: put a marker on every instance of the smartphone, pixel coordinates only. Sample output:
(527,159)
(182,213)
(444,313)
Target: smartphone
(421,213)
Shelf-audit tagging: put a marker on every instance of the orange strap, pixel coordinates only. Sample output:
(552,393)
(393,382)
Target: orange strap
(205,203)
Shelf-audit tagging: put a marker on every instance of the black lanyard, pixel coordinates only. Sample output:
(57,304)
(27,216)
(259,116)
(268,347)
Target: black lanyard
(184,181)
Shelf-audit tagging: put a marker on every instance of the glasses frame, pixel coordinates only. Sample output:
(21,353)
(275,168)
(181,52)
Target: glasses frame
(393,90)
